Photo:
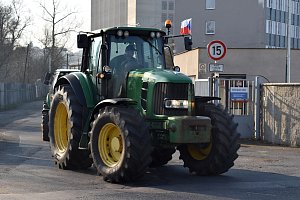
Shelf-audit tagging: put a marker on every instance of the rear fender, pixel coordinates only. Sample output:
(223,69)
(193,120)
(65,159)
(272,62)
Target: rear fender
(82,87)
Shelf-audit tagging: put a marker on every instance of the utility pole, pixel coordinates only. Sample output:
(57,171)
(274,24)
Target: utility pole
(50,60)
(26,61)
(67,60)
(288,52)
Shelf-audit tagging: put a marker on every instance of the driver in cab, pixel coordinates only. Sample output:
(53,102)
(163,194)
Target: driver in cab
(121,65)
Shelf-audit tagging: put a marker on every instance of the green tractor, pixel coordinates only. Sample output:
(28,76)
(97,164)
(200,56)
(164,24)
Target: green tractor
(127,110)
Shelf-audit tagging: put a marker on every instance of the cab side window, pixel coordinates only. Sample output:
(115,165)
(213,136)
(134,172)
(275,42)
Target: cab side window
(94,54)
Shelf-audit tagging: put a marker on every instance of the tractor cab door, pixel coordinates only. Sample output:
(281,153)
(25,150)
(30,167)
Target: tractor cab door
(123,59)
(95,64)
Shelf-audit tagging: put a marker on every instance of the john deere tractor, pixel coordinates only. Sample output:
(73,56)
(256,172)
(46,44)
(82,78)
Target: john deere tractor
(124,115)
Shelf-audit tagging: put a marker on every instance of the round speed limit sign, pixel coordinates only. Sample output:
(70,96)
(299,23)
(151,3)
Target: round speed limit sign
(216,49)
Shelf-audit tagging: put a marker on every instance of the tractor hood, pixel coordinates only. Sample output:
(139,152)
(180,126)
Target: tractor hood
(159,75)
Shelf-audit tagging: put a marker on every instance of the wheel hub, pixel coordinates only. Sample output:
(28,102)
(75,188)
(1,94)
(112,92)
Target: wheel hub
(61,126)
(199,153)
(110,144)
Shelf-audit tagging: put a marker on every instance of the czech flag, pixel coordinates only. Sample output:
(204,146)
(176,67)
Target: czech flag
(186,27)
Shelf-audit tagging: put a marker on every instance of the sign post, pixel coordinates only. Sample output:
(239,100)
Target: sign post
(216,50)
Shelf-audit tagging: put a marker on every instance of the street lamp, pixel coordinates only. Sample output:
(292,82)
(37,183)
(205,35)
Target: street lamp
(69,54)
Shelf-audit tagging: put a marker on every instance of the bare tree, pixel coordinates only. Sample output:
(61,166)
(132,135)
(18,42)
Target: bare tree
(12,25)
(60,22)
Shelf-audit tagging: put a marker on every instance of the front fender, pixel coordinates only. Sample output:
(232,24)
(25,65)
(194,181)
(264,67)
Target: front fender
(115,101)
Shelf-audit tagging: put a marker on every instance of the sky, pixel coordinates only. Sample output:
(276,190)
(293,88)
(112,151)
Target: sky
(33,9)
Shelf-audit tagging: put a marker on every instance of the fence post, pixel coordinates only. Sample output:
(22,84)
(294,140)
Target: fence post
(2,96)
(257,108)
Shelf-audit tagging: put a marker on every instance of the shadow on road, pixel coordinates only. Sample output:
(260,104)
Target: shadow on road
(12,153)
(174,178)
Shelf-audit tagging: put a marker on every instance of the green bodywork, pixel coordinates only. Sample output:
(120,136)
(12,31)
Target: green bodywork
(151,77)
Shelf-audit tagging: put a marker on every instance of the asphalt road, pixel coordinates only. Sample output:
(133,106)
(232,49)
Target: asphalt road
(28,172)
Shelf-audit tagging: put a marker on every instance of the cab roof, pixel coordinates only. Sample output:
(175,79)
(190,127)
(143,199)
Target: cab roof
(129,28)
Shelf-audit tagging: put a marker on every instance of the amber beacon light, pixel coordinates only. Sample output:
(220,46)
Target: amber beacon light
(168,25)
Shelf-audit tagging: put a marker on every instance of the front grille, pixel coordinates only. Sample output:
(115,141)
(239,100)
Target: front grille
(164,91)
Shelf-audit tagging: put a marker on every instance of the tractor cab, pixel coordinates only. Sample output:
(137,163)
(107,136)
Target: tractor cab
(113,53)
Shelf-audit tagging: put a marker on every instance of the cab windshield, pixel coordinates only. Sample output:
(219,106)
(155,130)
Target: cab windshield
(136,52)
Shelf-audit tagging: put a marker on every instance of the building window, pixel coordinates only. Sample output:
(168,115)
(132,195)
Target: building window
(210,27)
(268,4)
(282,41)
(163,17)
(164,5)
(210,4)
(171,5)
(171,17)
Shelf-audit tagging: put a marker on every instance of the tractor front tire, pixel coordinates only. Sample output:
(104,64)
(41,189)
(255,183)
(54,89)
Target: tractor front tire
(44,124)
(65,130)
(161,156)
(120,144)
(218,156)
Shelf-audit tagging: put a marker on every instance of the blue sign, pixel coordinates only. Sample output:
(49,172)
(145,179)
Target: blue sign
(239,93)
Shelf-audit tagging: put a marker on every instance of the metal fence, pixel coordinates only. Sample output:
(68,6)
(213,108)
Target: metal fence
(15,93)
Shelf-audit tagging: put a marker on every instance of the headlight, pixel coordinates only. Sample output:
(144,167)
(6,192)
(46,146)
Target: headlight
(120,33)
(183,104)
(152,34)
(158,34)
(126,34)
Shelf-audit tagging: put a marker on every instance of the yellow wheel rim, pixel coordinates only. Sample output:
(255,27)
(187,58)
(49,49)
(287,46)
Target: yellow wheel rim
(61,127)
(199,153)
(110,144)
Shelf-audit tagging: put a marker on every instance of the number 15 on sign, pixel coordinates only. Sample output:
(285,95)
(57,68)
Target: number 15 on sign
(216,49)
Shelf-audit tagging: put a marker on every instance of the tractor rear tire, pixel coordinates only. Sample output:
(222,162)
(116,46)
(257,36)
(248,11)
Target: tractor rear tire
(65,130)
(218,156)
(161,156)
(45,120)
(120,144)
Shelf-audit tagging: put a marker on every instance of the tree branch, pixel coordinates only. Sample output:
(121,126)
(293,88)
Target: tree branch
(45,9)
(61,19)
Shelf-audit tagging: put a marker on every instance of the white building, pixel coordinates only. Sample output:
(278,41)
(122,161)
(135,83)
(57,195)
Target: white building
(108,13)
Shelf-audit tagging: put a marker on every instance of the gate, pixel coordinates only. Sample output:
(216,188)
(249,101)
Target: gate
(238,98)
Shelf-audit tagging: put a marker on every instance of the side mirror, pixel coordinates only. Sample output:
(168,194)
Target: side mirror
(165,40)
(82,41)
(47,78)
(188,43)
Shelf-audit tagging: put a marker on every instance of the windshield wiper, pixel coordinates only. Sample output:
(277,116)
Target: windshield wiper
(146,40)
